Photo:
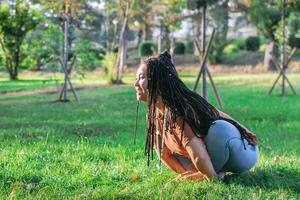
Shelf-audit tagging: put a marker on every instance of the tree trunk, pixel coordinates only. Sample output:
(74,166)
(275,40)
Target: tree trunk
(220,39)
(16,64)
(140,33)
(38,64)
(120,61)
(14,75)
(172,44)
(9,64)
(12,70)
(167,39)
(144,34)
(271,50)
(123,52)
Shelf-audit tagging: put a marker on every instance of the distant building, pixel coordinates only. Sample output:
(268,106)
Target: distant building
(239,27)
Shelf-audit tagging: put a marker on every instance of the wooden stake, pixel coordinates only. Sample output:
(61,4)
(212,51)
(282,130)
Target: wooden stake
(283,50)
(204,58)
(284,62)
(204,86)
(64,61)
(215,89)
(204,67)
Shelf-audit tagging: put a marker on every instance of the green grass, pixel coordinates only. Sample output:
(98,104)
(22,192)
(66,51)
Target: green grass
(85,149)
(29,81)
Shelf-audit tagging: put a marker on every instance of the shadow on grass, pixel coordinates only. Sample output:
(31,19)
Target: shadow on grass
(271,178)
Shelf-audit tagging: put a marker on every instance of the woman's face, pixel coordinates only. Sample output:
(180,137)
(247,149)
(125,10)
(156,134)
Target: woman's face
(141,83)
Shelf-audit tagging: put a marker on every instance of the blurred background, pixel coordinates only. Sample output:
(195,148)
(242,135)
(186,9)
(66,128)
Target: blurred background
(112,36)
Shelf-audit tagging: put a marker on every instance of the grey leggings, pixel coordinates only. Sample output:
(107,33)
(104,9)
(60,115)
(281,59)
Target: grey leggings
(226,149)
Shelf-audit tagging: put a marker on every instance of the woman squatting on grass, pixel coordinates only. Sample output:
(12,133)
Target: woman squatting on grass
(190,136)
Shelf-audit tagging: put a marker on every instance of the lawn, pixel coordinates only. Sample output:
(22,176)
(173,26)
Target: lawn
(85,150)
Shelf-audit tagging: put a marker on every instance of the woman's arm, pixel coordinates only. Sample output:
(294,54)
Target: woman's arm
(170,160)
(200,158)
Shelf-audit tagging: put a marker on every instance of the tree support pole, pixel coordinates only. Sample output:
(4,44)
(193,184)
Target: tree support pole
(203,32)
(203,65)
(64,61)
(284,62)
(202,57)
(70,83)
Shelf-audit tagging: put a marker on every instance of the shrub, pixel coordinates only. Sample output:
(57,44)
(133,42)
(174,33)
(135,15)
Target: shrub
(294,42)
(109,62)
(179,48)
(235,46)
(263,47)
(252,43)
(29,63)
(146,48)
(189,47)
(294,30)
(230,49)
(89,55)
(115,49)
(239,44)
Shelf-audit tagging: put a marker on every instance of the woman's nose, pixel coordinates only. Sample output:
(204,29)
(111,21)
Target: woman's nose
(135,83)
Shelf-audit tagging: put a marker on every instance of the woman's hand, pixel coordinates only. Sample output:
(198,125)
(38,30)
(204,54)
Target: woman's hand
(196,175)
(197,151)
(191,175)
(221,175)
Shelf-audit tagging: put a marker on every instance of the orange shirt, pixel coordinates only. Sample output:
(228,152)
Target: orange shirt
(173,140)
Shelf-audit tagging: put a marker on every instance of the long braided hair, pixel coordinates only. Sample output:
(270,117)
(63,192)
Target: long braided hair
(163,81)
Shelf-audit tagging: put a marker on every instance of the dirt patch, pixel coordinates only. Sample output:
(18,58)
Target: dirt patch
(43,91)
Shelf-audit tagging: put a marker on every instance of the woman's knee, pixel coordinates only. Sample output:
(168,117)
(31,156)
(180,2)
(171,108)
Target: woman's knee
(241,158)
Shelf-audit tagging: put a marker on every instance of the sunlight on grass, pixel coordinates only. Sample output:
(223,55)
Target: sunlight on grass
(85,149)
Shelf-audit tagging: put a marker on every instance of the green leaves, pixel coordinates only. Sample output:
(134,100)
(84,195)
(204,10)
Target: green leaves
(15,22)
(197,4)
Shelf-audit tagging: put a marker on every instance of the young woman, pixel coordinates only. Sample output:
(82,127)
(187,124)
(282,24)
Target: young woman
(190,135)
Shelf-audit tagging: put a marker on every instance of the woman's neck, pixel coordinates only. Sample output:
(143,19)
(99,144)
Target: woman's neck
(160,105)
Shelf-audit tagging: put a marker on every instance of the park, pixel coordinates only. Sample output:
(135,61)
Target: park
(69,126)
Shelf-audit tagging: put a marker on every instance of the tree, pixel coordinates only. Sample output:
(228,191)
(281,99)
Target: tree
(266,15)
(142,19)
(165,15)
(294,24)
(87,35)
(39,50)
(122,10)
(220,16)
(15,22)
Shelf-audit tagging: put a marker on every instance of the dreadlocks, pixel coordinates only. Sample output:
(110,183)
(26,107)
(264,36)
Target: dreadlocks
(163,81)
